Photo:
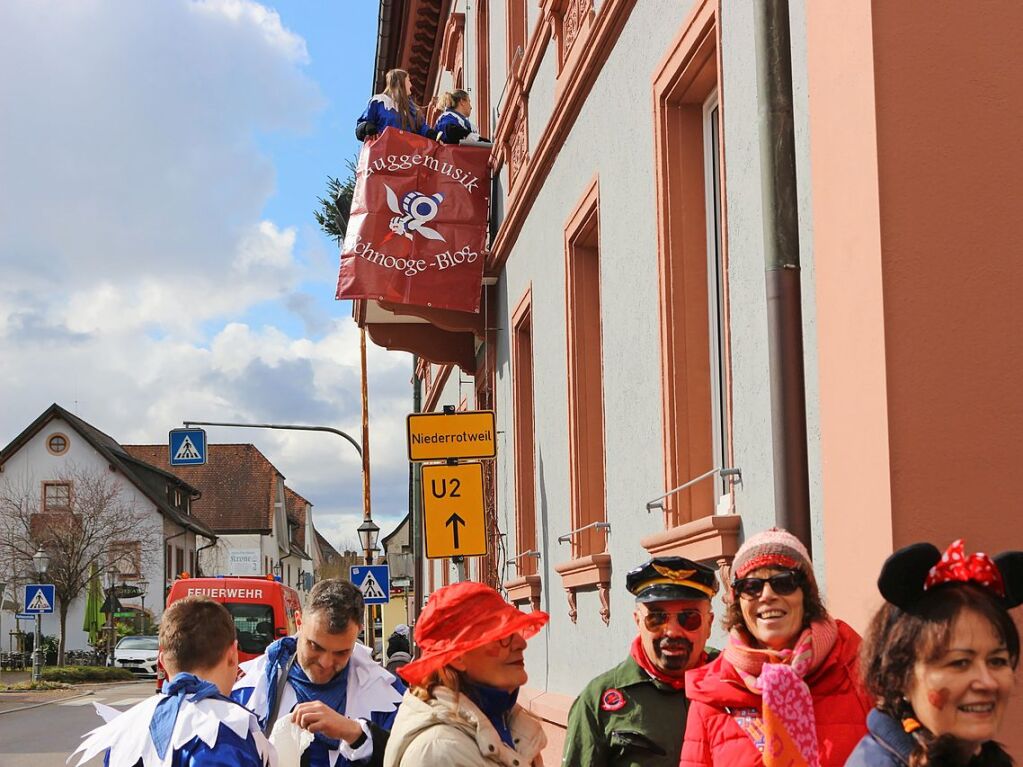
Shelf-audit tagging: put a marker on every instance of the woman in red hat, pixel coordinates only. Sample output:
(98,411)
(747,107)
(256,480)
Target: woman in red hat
(460,708)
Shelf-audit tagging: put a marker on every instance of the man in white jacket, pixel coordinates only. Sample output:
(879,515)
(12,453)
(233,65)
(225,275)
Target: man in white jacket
(326,682)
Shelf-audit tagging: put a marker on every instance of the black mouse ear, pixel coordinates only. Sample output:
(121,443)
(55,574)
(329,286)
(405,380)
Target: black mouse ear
(902,577)
(1010,564)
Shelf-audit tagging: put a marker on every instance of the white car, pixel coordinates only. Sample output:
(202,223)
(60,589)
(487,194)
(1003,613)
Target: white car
(137,654)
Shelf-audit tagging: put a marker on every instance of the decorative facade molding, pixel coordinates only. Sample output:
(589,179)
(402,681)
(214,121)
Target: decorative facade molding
(585,574)
(526,588)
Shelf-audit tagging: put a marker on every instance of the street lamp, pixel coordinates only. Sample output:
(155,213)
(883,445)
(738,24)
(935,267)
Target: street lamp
(368,532)
(40,561)
(111,581)
(144,585)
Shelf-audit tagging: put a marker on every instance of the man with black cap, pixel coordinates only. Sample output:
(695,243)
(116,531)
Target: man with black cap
(635,714)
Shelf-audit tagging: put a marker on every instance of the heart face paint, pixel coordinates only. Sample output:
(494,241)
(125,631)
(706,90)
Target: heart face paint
(938,698)
(964,691)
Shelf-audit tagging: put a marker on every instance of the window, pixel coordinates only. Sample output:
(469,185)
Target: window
(168,562)
(254,625)
(124,557)
(516,37)
(482,95)
(694,342)
(585,385)
(57,444)
(191,561)
(717,321)
(56,496)
(179,558)
(522,394)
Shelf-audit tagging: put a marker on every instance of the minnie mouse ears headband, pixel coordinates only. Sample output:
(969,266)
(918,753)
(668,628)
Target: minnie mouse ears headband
(912,571)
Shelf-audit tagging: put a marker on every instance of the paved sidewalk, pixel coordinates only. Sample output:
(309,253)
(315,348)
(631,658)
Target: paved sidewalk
(19,700)
(13,701)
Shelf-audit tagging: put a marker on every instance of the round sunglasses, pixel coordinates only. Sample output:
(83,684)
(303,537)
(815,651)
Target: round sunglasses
(782,584)
(689,620)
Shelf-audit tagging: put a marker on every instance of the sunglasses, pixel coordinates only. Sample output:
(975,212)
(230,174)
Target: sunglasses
(782,584)
(689,620)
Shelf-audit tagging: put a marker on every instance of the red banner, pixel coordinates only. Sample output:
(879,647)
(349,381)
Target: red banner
(418,225)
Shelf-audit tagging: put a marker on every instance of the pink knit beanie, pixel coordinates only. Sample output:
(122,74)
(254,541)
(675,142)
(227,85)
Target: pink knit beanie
(772,548)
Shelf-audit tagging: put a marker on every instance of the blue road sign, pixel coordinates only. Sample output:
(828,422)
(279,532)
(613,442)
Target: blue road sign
(187,447)
(24,616)
(39,598)
(374,583)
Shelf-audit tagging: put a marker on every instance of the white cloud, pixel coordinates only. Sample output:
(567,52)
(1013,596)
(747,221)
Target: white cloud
(138,265)
(266,20)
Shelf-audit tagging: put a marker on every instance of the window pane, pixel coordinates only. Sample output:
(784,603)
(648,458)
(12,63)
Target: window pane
(254,624)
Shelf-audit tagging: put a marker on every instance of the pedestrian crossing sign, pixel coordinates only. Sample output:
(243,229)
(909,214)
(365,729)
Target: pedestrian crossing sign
(187,447)
(374,583)
(39,598)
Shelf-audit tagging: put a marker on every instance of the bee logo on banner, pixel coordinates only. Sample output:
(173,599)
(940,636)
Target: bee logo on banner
(418,225)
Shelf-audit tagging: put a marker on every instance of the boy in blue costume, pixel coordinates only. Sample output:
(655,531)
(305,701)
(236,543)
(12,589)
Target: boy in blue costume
(326,682)
(192,723)
(392,109)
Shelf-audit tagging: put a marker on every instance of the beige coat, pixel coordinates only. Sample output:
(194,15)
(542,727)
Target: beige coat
(450,731)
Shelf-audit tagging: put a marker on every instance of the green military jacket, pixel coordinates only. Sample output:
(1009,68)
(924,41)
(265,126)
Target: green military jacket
(623,718)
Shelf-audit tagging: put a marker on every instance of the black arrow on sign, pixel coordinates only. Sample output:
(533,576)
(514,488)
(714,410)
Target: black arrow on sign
(453,522)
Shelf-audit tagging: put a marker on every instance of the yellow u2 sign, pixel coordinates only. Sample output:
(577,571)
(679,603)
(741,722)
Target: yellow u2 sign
(454,521)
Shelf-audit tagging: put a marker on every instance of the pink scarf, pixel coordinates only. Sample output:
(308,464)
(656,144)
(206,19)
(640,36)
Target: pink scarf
(789,726)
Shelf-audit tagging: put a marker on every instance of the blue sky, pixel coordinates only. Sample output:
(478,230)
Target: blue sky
(161,163)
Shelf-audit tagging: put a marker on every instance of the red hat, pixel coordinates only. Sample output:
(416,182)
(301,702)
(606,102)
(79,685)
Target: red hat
(461,617)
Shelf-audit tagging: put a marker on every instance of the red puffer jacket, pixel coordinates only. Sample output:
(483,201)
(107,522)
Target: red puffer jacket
(718,699)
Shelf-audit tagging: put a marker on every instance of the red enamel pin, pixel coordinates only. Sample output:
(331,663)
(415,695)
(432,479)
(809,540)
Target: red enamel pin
(612,700)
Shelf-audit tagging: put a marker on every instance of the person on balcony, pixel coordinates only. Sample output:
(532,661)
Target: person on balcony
(392,109)
(453,126)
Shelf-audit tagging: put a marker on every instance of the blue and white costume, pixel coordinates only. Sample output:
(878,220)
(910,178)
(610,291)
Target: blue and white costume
(189,725)
(381,112)
(454,128)
(363,691)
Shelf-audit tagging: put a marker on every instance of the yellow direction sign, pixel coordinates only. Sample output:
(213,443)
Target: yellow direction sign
(453,510)
(440,436)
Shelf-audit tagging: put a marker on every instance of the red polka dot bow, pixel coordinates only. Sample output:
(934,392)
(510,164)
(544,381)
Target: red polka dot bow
(955,567)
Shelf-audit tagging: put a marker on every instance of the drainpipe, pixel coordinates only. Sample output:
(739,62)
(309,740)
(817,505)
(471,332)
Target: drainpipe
(415,504)
(381,65)
(781,253)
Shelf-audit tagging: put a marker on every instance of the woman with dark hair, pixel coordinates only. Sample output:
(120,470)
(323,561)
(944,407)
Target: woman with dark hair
(392,109)
(453,126)
(461,710)
(785,691)
(940,659)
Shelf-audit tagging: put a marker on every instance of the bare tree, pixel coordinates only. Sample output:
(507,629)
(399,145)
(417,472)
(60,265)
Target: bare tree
(86,521)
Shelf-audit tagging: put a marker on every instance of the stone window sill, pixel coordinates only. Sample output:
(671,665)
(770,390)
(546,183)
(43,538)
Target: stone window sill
(713,539)
(585,573)
(526,588)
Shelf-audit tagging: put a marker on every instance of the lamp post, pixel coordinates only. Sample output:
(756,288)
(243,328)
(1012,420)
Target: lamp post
(144,585)
(111,582)
(368,532)
(40,561)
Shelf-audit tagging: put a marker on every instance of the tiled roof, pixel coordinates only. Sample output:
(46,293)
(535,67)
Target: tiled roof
(296,505)
(238,485)
(327,552)
(148,478)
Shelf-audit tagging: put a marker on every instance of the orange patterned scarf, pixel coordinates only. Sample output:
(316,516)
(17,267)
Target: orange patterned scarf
(790,732)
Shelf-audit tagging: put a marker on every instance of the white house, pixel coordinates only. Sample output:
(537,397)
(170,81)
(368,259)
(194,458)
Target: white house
(53,472)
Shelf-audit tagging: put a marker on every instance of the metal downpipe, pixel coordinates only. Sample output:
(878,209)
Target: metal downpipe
(781,254)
